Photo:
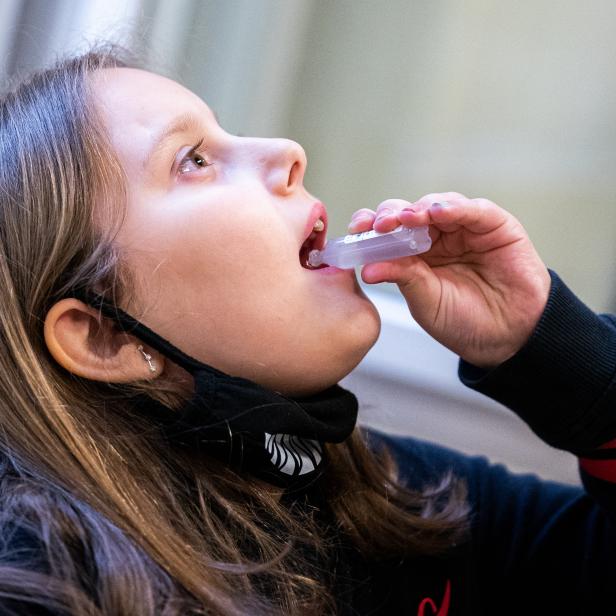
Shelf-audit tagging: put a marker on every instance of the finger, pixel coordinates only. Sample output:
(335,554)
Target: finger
(388,271)
(417,282)
(417,214)
(427,200)
(387,214)
(476,215)
(391,205)
(364,211)
(385,219)
(361,220)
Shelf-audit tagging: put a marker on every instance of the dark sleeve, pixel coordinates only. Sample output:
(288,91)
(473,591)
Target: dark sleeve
(562,383)
(536,546)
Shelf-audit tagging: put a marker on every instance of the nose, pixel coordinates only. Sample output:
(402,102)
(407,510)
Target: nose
(284,164)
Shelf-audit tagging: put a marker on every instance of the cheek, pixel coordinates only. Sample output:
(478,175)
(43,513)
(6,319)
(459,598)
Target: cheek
(226,234)
(226,257)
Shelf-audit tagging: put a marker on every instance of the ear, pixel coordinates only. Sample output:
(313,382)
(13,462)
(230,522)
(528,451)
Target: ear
(90,345)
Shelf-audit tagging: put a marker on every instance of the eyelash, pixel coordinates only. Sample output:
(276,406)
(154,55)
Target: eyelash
(191,154)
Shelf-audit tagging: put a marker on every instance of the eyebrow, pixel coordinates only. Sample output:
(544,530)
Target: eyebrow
(184,123)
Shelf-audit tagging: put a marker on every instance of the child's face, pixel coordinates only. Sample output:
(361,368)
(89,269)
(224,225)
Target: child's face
(215,249)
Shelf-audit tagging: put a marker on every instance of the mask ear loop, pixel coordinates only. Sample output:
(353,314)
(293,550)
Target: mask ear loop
(132,326)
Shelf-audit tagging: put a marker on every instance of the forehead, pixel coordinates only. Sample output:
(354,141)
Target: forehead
(136,103)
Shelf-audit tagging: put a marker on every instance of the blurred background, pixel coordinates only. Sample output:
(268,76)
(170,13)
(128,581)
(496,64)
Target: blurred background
(510,101)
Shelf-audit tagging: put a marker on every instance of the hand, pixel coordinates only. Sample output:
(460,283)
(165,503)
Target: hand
(481,287)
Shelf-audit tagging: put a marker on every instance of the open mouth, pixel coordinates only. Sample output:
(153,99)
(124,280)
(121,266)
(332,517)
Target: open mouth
(315,241)
(311,243)
(316,230)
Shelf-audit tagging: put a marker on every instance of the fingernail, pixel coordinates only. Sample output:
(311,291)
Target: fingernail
(441,204)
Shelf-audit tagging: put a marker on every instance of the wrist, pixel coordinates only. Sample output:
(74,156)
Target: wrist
(489,362)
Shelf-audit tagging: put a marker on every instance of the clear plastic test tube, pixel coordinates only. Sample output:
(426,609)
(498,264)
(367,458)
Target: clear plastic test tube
(349,251)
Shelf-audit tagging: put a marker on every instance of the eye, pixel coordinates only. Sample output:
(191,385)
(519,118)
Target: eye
(193,159)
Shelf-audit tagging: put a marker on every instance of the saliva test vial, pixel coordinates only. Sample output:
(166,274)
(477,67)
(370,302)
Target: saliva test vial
(349,251)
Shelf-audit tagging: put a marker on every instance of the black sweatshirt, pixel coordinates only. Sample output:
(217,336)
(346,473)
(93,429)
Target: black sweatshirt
(536,546)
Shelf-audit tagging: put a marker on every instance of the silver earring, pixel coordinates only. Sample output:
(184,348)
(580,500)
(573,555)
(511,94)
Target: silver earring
(147,358)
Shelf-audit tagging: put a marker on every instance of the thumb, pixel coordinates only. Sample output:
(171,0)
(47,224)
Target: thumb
(416,280)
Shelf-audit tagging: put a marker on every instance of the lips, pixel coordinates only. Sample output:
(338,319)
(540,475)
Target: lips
(313,240)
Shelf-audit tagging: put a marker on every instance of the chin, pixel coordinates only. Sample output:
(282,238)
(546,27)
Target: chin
(368,323)
(350,338)
(370,308)
(364,331)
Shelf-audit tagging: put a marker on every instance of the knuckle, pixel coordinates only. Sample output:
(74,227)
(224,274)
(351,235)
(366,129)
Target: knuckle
(483,203)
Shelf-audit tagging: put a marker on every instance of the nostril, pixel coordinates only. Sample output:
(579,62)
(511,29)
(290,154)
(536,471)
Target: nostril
(295,169)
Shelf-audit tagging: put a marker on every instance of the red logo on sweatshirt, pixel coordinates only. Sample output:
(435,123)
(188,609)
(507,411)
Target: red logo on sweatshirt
(436,611)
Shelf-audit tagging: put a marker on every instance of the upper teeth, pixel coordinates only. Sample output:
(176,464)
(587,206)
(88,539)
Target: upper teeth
(319,225)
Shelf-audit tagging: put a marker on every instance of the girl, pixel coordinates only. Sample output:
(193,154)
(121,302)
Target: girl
(173,437)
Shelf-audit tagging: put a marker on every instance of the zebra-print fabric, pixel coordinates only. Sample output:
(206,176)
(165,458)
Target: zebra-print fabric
(293,455)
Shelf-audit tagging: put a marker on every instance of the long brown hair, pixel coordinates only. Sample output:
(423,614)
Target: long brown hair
(121,523)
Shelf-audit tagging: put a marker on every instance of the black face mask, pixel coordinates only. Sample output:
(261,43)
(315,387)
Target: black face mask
(252,429)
